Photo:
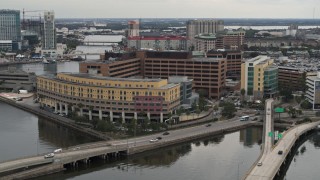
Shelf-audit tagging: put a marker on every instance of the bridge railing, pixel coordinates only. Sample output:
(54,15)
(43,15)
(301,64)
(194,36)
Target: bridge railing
(297,135)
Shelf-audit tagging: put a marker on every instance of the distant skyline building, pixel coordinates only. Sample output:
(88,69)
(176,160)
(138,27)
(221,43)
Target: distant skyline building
(10,29)
(133,28)
(195,27)
(49,37)
(159,43)
(207,42)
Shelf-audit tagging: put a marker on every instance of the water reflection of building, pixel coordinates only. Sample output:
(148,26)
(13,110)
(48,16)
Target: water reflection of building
(164,157)
(56,134)
(51,68)
(315,139)
(250,136)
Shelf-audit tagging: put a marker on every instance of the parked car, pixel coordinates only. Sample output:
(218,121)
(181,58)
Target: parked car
(280,152)
(208,125)
(51,155)
(259,164)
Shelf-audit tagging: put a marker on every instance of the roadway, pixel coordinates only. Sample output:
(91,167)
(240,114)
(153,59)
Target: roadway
(270,160)
(72,154)
(268,142)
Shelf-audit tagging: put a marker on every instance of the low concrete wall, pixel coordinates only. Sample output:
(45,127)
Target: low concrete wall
(36,172)
(161,143)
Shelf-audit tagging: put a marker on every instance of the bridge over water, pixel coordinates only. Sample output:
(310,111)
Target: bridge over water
(269,162)
(106,149)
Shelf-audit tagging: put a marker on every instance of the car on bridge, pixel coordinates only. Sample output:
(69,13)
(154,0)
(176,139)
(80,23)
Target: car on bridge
(166,133)
(57,150)
(50,155)
(153,140)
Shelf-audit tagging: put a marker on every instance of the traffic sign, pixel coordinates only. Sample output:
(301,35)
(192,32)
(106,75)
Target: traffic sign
(279,110)
(276,135)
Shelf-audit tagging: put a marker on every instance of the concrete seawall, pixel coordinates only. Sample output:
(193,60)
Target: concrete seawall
(19,62)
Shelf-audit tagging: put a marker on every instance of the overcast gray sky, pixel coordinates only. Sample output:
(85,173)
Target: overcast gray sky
(171,8)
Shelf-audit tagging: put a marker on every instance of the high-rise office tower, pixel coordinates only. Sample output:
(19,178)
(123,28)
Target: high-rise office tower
(49,36)
(10,29)
(195,27)
(133,29)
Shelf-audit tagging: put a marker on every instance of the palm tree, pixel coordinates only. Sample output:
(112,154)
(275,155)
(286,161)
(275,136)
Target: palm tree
(292,112)
(90,112)
(80,105)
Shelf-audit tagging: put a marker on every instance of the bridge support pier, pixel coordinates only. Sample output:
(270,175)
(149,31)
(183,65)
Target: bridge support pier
(148,114)
(56,107)
(123,117)
(66,108)
(111,116)
(161,117)
(136,115)
(100,114)
(60,104)
(90,115)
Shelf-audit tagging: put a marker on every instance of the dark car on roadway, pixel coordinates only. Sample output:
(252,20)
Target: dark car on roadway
(166,133)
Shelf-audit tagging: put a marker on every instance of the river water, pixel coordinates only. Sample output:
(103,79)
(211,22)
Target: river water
(23,134)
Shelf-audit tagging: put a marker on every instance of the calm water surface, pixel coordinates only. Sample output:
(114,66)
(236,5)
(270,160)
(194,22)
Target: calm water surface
(224,157)
(24,134)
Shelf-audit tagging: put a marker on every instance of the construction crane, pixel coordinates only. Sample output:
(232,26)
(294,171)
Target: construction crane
(32,11)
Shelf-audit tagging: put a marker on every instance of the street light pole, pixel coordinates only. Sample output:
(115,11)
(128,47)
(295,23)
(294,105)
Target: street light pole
(37,146)
(238,169)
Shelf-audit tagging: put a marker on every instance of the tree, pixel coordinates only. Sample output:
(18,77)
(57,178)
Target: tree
(202,103)
(228,110)
(180,111)
(80,105)
(243,92)
(188,112)
(286,93)
(302,82)
(306,105)
(132,126)
(254,54)
(215,108)
(198,111)
(292,112)
(194,105)
(145,124)
(105,126)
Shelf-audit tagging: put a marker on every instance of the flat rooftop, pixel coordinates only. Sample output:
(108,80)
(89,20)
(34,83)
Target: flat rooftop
(90,76)
(167,86)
